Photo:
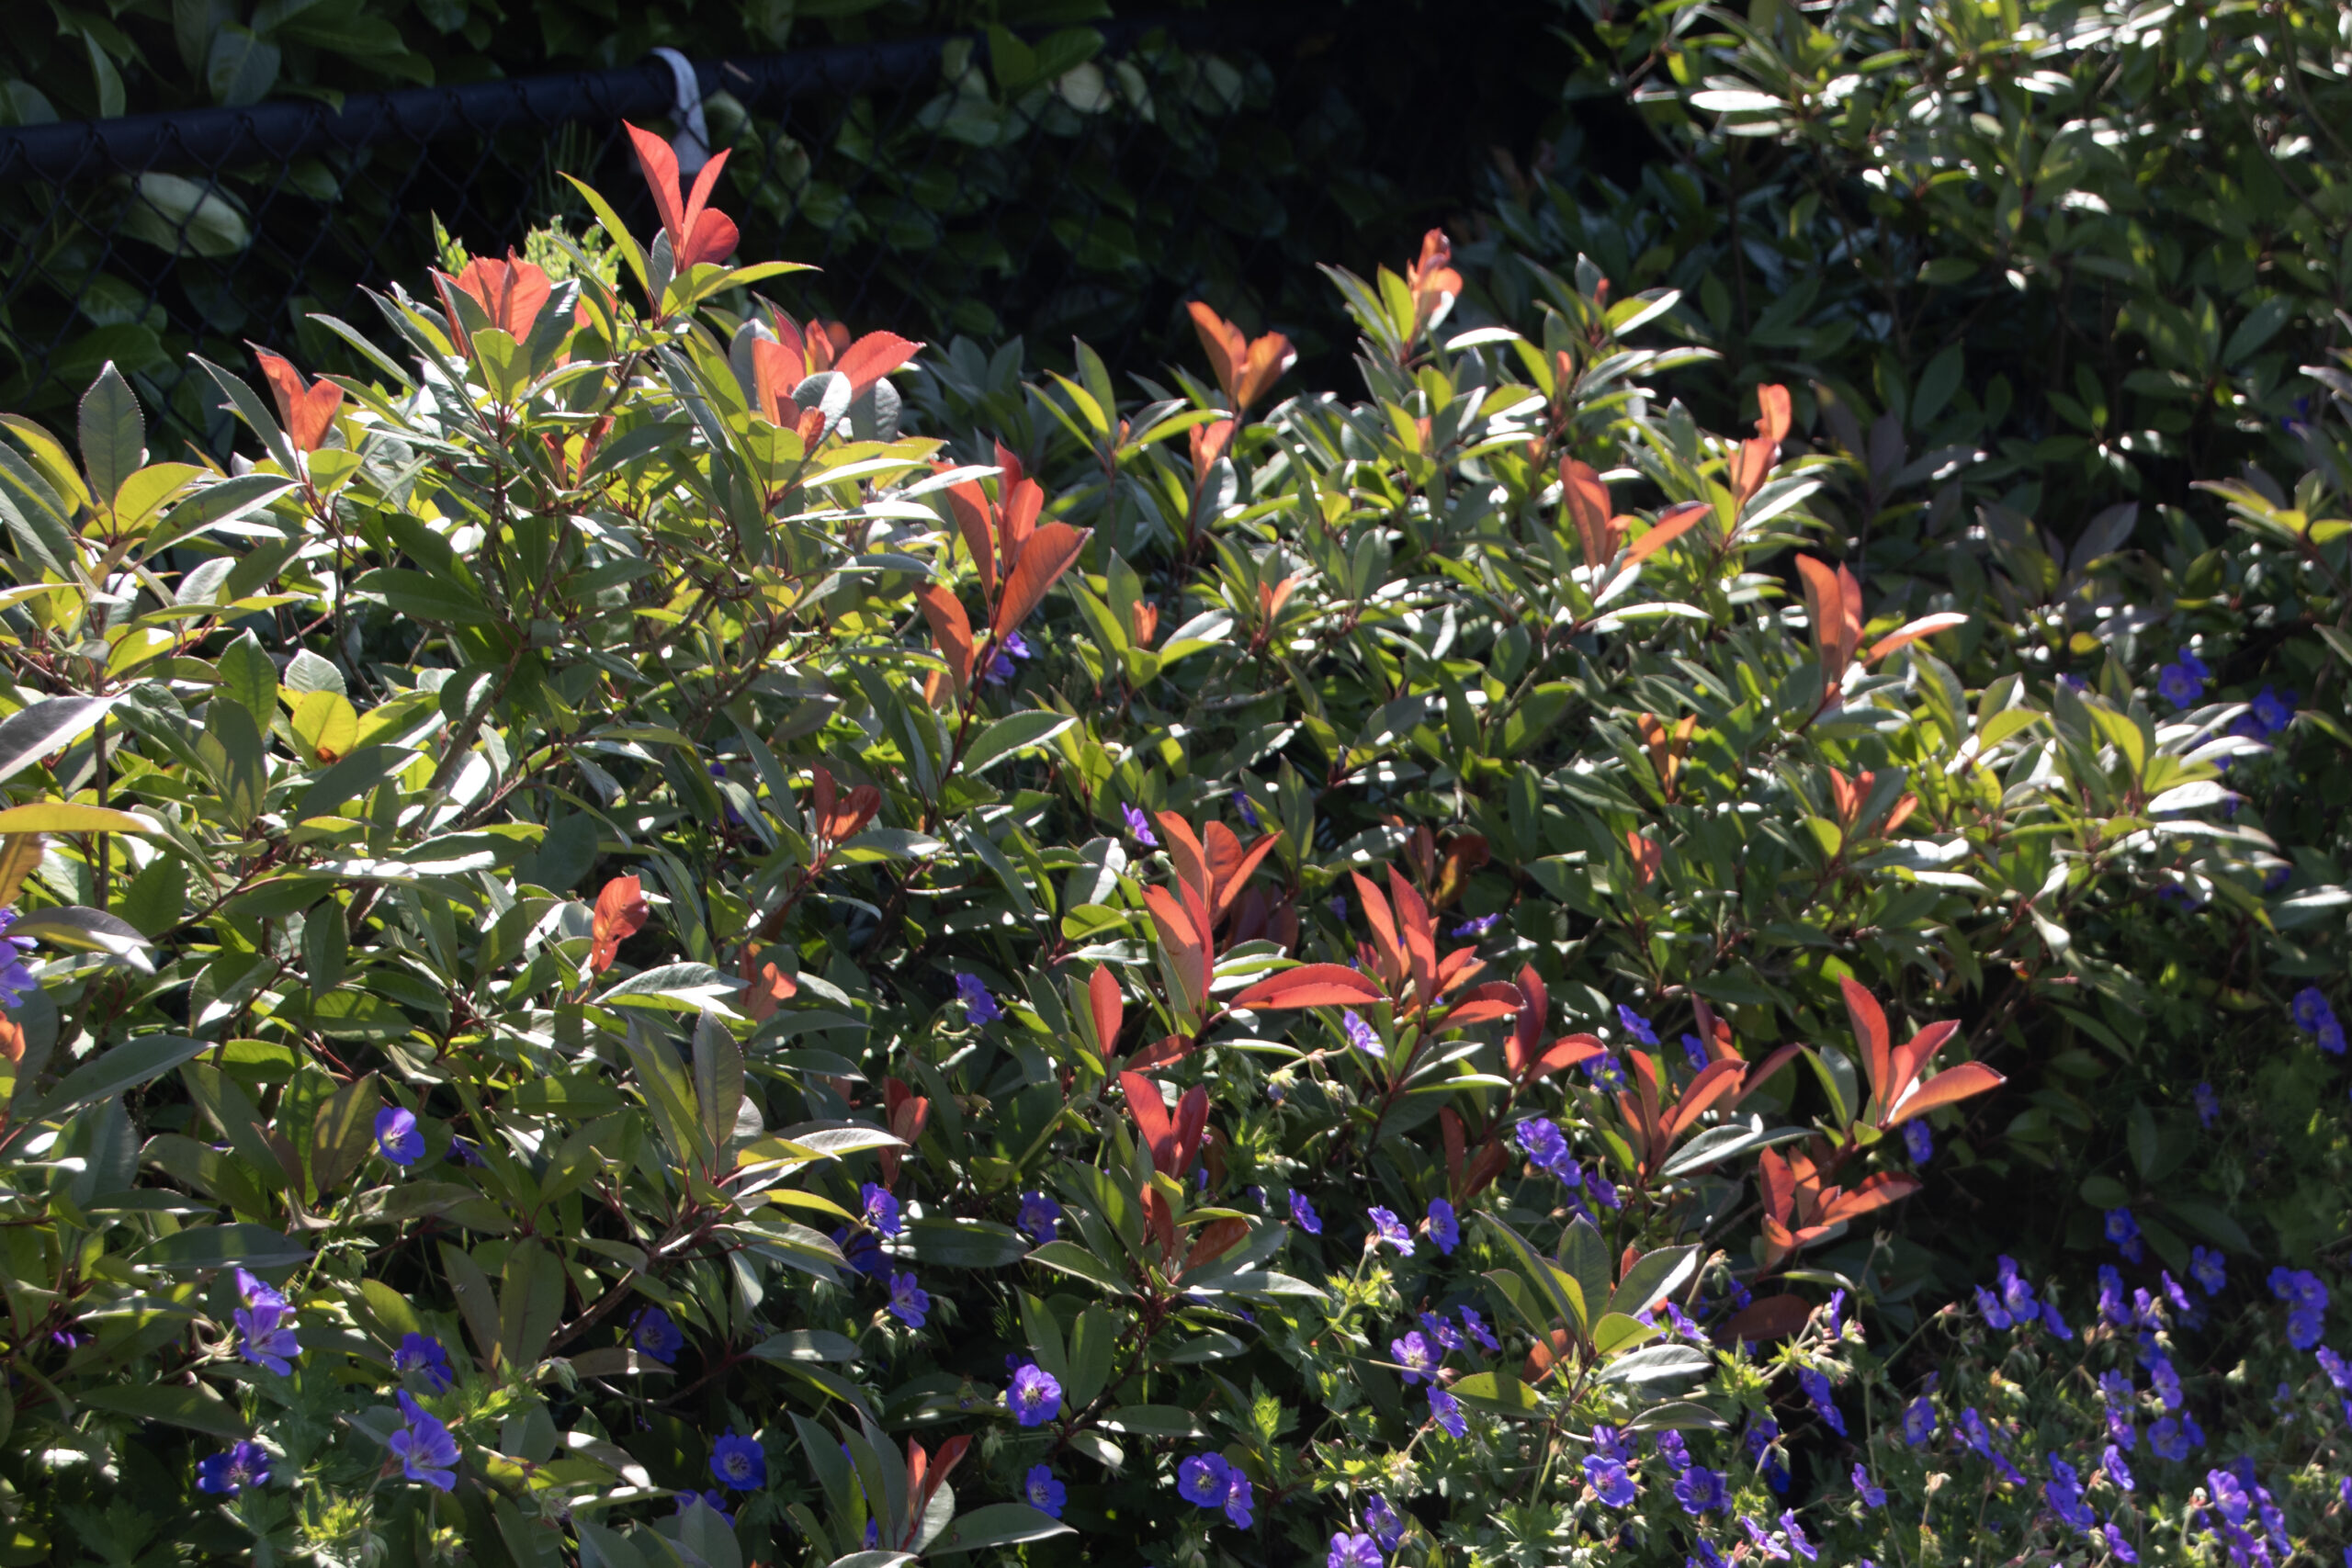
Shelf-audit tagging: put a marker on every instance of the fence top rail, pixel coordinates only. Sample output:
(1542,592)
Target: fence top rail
(209,139)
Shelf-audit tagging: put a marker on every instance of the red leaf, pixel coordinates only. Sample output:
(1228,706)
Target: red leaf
(1161,1220)
(1967,1079)
(1911,1059)
(1313,985)
(950,628)
(1869,1030)
(1568,1051)
(511,292)
(1773,409)
(1482,1004)
(1165,1053)
(1214,1241)
(973,513)
(770,987)
(873,356)
(308,409)
(1150,1113)
(659,166)
(1672,525)
(1109,1012)
(1886,1187)
(1912,631)
(1049,554)
(1022,504)
(621,913)
(1751,465)
(1520,1050)
(1824,607)
(1587,501)
(1224,344)
(1767,1317)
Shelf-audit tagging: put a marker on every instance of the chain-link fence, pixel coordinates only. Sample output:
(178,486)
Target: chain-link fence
(1081,184)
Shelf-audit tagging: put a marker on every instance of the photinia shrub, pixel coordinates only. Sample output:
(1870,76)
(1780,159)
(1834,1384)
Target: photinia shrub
(622,959)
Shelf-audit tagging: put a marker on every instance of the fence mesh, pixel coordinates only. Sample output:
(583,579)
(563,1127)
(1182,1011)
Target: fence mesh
(939,192)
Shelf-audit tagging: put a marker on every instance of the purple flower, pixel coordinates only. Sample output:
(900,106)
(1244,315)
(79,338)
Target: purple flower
(879,1209)
(2122,1547)
(2124,1231)
(266,1324)
(426,1451)
(1352,1552)
(1043,1493)
(1360,1035)
(1387,1227)
(1413,1353)
(1674,1450)
(861,1252)
(1248,812)
(1797,1541)
(1872,1496)
(16,981)
(1442,1228)
(2117,1471)
(238,1466)
(656,1336)
(1477,1330)
(2165,1380)
(1038,1217)
(1607,1071)
(2017,1294)
(1035,1397)
(910,1302)
(2209,1105)
(424,1355)
(1478,926)
(2053,1323)
(1303,1214)
(1238,1495)
(738,1462)
(464,1151)
(2273,711)
(1824,1404)
(1387,1526)
(1204,1480)
(2168,1439)
(1441,1334)
(1704,1555)
(1609,1480)
(397,1138)
(1635,1025)
(1918,1421)
(2209,1269)
(2182,682)
(1610,1443)
(1772,1547)
(1918,1143)
(1701,1491)
(1140,826)
(1446,1411)
(1996,1315)
(979,1008)
(1540,1139)
(2310,1006)
(2338,1371)
(2331,1036)
(2065,1492)
(1695,1052)
(1001,666)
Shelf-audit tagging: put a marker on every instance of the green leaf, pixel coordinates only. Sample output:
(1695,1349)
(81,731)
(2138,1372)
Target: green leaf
(805,1345)
(45,727)
(965,1244)
(1498,1393)
(222,1247)
(438,600)
(195,1406)
(1153,1421)
(1011,734)
(1071,1259)
(113,433)
(125,1068)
